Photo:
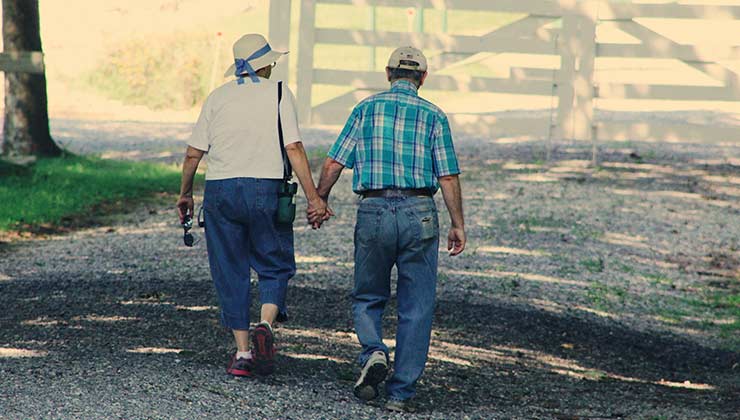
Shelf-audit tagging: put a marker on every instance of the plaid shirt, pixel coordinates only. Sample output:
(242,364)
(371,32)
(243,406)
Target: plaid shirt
(396,139)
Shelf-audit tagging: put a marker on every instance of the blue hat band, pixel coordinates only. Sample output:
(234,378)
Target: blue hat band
(243,66)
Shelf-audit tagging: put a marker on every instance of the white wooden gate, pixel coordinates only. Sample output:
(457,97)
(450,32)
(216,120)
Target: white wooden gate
(566,29)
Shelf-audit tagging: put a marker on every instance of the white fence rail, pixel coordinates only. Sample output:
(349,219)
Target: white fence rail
(565,29)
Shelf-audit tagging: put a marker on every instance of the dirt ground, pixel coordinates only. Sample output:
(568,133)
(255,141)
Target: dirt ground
(584,293)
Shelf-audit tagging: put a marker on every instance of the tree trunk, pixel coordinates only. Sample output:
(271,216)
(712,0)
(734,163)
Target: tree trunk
(26,125)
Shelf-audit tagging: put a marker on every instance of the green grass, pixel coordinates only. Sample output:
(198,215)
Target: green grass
(584,232)
(604,297)
(53,190)
(533,220)
(628,269)
(728,304)
(656,279)
(593,265)
(709,307)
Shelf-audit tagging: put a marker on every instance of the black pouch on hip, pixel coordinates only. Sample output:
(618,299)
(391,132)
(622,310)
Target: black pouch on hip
(286,193)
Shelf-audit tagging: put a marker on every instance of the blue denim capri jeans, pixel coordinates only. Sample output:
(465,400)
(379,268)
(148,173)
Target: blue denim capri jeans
(241,234)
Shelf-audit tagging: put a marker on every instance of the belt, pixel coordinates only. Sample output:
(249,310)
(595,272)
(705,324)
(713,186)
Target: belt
(397,193)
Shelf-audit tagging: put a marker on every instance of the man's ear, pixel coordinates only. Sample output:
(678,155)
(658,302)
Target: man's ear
(423,77)
(388,74)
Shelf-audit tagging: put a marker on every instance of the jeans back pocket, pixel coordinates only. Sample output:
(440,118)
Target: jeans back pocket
(429,226)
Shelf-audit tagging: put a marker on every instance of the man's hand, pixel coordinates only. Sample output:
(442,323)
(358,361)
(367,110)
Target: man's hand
(317,212)
(453,199)
(456,241)
(185,207)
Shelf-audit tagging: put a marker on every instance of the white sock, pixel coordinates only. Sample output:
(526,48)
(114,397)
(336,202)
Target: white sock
(244,354)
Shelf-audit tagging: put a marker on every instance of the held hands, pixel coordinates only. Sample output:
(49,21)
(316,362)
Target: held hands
(185,206)
(456,241)
(318,212)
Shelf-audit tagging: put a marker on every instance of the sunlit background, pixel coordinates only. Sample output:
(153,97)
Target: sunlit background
(157,59)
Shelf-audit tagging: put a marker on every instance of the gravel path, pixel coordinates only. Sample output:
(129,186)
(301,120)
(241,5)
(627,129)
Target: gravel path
(584,294)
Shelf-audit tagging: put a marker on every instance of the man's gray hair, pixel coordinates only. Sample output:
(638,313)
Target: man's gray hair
(414,75)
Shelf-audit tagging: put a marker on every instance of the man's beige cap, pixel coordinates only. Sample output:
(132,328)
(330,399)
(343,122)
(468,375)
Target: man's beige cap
(408,58)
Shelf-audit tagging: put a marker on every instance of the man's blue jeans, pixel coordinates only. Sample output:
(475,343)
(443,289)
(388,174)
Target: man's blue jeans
(403,232)
(241,233)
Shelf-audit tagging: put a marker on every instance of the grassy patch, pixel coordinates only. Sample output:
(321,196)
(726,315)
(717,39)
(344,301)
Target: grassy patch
(526,223)
(628,269)
(718,311)
(598,295)
(656,279)
(567,270)
(583,232)
(593,265)
(728,305)
(604,297)
(55,190)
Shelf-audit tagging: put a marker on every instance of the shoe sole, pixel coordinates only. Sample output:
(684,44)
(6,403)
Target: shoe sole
(366,389)
(238,372)
(264,362)
(400,408)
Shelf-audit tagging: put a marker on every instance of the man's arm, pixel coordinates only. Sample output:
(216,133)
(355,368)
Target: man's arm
(299,161)
(189,166)
(452,195)
(329,175)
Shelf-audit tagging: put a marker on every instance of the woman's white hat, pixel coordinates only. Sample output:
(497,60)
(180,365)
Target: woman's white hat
(255,51)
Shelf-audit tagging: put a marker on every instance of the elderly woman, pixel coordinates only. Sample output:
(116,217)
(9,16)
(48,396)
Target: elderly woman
(249,130)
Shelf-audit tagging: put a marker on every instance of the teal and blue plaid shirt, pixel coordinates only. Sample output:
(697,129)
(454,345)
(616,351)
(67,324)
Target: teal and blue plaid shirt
(396,139)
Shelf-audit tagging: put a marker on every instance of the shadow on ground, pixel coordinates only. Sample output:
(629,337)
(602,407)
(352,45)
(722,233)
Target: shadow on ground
(498,357)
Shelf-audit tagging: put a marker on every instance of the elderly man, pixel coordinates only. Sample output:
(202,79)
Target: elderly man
(401,149)
(242,127)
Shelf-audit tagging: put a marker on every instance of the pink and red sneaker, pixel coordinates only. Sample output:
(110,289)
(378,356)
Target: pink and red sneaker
(263,350)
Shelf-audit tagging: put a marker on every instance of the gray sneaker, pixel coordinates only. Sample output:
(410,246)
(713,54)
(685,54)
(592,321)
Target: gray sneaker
(373,372)
(400,406)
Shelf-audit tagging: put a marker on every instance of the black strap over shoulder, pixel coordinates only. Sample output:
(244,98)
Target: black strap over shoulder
(287,169)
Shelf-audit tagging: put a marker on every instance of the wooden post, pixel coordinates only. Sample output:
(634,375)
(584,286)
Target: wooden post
(373,27)
(279,36)
(444,19)
(575,87)
(419,22)
(566,41)
(307,29)
(584,81)
(216,62)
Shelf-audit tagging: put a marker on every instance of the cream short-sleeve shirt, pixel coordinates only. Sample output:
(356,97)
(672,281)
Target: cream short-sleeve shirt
(238,128)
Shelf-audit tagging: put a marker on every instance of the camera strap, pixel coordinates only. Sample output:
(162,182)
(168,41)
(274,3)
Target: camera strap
(287,169)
